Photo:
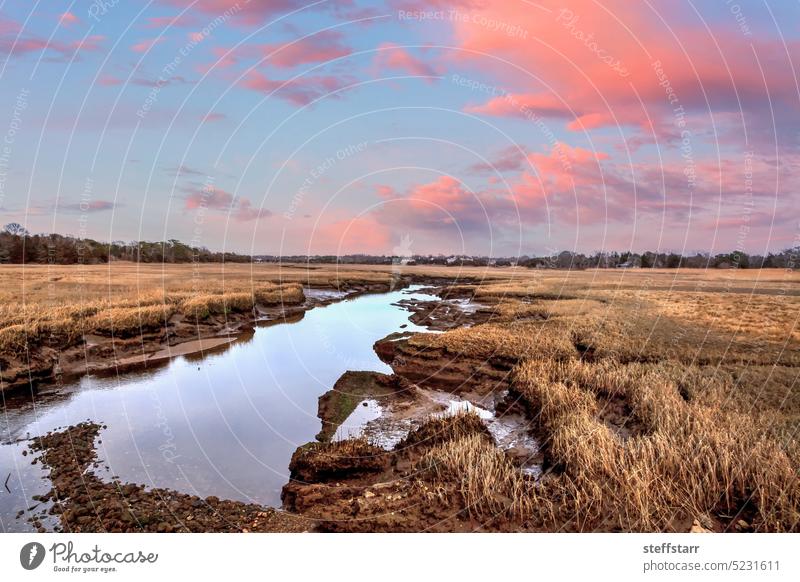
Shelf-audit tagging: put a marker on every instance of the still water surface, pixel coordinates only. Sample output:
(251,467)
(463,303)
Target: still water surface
(223,424)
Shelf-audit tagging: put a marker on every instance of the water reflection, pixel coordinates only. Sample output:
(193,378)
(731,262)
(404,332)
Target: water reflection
(224,423)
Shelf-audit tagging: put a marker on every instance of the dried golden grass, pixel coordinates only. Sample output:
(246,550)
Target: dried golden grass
(694,459)
(518,340)
(288,294)
(491,486)
(201,307)
(15,339)
(128,321)
(124,313)
(448,427)
(773,317)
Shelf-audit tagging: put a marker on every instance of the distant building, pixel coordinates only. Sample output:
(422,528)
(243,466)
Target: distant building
(630,264)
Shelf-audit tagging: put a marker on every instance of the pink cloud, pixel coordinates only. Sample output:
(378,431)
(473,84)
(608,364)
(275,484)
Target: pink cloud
(109,81)
(590,65)
(320,48)
(213,116)
(225,58)
(391,57)
(351,235)
(15,43)
(576,187)
(239,209)
(209,198)
(8,26)
(244,13)
(511,158)
(68,19)
(245,211)
(445,204)
(145,45)
(300,91)
(580,191)
(446,193)
(92,43)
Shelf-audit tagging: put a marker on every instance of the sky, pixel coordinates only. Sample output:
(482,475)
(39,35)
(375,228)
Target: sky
(455,127)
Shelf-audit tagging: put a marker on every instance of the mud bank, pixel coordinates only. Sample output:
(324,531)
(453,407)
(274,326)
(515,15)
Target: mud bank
(85,503)
(446,314)
(349,392)
(442,369)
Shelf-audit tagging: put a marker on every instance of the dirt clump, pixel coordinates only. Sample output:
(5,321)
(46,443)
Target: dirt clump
(319,462)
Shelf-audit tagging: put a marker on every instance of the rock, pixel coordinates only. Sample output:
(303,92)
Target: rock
(319,462)
(386,348)
(697,528)
(350,389)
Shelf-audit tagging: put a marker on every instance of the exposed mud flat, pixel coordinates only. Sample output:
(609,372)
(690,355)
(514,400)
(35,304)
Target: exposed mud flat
(444,314)
(85,503)
(343,407)
(384,418)
(371,473)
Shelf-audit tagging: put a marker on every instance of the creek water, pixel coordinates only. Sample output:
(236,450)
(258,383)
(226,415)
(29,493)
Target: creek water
(225,423)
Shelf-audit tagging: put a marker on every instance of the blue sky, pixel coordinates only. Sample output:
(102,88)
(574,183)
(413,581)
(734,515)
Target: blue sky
(463,126)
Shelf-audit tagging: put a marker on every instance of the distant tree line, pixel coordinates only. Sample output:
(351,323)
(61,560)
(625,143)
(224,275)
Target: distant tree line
(787,259)
(18,246)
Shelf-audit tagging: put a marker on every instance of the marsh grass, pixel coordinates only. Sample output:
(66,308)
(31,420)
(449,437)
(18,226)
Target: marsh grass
(31,325)
(694,460)
(704,363)
(707,381)
(129,321)
(490,484)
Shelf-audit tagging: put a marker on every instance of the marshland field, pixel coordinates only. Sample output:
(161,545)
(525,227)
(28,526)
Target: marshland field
(254,397)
